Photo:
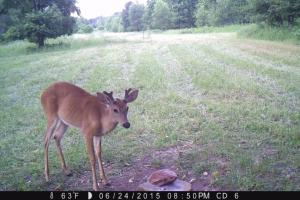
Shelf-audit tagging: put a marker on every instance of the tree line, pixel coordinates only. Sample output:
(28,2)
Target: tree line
(37,20)
(178,14)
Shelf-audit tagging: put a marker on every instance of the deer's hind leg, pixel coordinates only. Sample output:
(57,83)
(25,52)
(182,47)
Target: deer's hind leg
(51,125)
(58,135)
(50,108)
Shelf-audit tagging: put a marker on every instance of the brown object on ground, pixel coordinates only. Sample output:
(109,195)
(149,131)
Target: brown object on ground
(177,185)
(162,177)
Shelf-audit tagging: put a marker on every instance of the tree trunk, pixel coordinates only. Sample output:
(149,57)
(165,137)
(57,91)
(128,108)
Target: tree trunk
(41,42)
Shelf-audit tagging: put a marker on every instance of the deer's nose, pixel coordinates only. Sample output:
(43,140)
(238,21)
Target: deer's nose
(126,125)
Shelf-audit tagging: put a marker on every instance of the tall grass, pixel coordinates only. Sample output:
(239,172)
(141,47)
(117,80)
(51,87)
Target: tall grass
(253,31)
(15,48)
(209,29)
(265,32)
(74,42)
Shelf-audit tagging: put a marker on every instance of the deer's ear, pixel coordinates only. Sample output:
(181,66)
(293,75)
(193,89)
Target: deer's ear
(131,96)
(103,98)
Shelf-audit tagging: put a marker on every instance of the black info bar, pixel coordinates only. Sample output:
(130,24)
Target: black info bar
(195,195)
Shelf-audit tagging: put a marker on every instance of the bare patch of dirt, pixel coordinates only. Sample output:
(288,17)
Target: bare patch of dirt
(130,176)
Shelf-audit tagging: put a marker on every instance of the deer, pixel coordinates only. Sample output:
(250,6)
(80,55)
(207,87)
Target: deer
(67,105)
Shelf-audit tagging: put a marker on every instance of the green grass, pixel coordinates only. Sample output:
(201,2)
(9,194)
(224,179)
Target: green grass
(265,32)
(237,101)
(209,29)
(253,31)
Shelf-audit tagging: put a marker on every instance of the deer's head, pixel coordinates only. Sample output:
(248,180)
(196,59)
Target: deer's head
(118,107)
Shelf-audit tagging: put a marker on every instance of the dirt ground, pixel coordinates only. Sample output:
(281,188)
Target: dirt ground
(131,176)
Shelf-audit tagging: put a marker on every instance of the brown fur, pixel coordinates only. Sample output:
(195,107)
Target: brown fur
(66,105)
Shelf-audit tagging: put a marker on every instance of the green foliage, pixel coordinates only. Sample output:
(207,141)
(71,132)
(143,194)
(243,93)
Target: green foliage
(114,23)
(83,26)
(99,23)
(201,14)
(267,32)
(136,13)
(41,19)
(49,23)
(276,12)
(184,12)
(218,13)
(162,17)
(10,14)
(133,17)
(37,20)
(147,18)
(233,12)
(272,12)
(125,16)
(85,29)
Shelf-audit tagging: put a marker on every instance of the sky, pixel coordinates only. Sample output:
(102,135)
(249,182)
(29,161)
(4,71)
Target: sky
(94,8)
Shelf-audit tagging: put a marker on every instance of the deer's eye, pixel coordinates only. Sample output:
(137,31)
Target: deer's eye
(116,111)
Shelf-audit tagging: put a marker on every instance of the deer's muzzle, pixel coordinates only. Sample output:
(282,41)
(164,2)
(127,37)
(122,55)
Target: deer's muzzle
(126,125)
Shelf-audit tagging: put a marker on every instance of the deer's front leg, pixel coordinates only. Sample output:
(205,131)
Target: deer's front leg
(97,142)
(90,150)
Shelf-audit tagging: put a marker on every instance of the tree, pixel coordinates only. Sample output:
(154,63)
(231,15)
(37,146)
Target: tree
(231,12)
(276,12)
(162,17)
(10,14)
(136,12)
(37,20)
(147,18)
(183,12)
(100,23)
(218,13)
(114,23)
(83,26)
(125,16)
(201,13)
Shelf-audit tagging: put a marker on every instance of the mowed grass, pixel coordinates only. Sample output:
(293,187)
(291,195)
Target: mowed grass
(236,102)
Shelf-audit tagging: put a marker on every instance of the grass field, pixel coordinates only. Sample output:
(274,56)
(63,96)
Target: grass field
(264,32)
(208,103)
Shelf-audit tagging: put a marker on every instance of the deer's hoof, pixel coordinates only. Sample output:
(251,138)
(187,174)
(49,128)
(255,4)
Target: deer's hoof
(47,178)
(105,182)
(96,188)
